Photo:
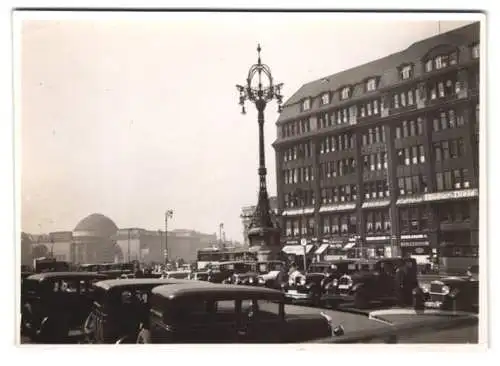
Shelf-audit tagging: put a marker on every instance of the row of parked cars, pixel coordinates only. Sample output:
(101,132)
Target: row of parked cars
(360,282)
(224,304)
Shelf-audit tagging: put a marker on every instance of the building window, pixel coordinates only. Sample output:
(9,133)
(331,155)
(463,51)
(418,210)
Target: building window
(375,107)
(396,101)
(410,97)
(406,72)
(345,93)
(420,126)
(428,66)
(439,62)
(325,98)
(306,104)
(475,51)
(371,85)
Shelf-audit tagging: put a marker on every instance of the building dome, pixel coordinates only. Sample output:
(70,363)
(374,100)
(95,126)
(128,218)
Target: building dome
(97,225)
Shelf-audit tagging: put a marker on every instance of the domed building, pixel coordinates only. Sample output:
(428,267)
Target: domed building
(93,240)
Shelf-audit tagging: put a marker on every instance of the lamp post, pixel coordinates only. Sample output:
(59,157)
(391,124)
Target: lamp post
(262,231)
(168,215)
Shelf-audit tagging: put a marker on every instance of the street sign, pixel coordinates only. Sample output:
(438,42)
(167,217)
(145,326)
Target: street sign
(303,242)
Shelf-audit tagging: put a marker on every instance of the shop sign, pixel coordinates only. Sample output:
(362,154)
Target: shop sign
(407,244)
(377,238)
(464,193)
(414,236)
(419,250)
(410,200)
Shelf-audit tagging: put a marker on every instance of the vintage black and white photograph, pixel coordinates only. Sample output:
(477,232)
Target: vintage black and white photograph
(249,177)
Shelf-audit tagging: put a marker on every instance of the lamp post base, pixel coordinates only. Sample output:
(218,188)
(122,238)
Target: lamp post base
(265,242)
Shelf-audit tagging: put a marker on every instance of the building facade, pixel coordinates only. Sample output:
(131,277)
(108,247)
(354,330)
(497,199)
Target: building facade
(97,239)
(247,213)
(382,159)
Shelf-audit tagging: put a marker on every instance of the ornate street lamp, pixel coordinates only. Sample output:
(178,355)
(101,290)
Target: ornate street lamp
(262,233)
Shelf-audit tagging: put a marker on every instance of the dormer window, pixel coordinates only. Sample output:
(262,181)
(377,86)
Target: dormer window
(406,72)
(345,93)
(371,85)
(439,62)
(475,51)
(428,66)
(325,98)
(306,104)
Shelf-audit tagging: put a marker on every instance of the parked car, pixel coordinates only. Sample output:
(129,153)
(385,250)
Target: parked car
(473,272)
(119,308)
(370,280)
(257,274)
(223,272)
(307,288)
(449,293)
(180,275)
(56,304)
(196,313)
(199,276)
(268,274)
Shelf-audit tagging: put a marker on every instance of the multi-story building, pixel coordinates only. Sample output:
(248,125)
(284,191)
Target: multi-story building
(382,159)
(247,213)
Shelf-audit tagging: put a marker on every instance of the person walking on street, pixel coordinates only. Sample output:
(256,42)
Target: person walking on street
(400,278)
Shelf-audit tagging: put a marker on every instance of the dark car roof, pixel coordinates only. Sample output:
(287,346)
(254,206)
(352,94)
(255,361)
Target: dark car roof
(52,275)
(131,282)
(215,290)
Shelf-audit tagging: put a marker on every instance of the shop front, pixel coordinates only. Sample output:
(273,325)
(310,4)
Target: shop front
(417,246)
(377,247)
(294,253)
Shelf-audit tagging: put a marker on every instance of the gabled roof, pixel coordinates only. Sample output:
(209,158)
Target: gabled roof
(385,68)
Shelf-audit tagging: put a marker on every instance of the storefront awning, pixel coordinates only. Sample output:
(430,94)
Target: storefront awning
(338,207)
(298,211)
(321,249)
(349,245)
(376,203)
(296,249)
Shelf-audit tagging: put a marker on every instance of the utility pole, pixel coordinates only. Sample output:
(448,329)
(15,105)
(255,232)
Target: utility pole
(128,256)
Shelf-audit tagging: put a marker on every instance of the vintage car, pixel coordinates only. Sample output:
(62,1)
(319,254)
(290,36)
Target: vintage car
(197,313)
(180,275)
(119,308)
(199,276)
(259,274)
(223,272)
(56,304)
(307,288)
(408,326)
(371,280)
(449,293)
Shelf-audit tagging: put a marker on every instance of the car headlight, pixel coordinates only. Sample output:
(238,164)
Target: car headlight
(261,280)
(250,280)
(303,281)
(445,290)
(426,287)
(335,282)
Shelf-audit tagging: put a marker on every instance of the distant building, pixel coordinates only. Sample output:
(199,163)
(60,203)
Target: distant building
(149,245)
(246,217)
(97,239)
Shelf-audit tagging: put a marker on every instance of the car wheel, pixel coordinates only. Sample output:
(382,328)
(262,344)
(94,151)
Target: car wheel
(361,300)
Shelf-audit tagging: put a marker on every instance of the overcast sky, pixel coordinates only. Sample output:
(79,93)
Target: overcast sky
(129,117)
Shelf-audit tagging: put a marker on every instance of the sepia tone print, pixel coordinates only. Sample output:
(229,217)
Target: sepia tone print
(340,206)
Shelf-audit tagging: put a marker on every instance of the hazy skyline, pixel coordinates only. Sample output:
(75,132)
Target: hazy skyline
(129,118)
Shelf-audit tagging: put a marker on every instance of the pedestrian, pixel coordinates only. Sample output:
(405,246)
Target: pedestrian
(400,278)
